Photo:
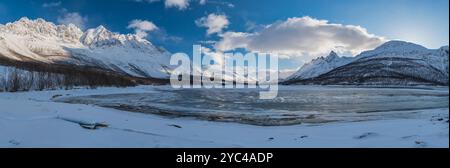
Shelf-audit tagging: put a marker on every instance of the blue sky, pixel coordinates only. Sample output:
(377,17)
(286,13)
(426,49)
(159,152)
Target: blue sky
(421,21)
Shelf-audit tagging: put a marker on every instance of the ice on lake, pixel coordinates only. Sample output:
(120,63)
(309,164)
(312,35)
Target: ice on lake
(294,104)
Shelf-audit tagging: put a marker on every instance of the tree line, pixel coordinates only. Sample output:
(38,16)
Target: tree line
(45,77)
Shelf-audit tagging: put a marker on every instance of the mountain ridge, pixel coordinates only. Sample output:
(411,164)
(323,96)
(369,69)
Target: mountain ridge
(392,63)
(42,41)
(41,54)
(320,65)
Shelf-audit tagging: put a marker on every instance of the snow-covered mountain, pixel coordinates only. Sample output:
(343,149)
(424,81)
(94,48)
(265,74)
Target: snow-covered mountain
(41,42)
(320,66)
(392,63)
(437,58)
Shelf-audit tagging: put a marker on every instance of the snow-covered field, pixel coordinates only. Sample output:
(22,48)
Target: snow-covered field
(32,119)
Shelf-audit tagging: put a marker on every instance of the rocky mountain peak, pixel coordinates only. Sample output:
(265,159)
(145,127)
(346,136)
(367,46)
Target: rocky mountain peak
(41,29)
(332,56)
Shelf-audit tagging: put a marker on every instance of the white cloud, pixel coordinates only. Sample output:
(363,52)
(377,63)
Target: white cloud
(202,2)
(304,36)
(51,4)
(73,18)
(180,4)
(214,55)
(233,40)
(142,27)
(214,22)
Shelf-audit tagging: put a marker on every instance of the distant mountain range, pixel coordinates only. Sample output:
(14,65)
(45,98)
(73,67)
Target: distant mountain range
(392,63)
(48,55)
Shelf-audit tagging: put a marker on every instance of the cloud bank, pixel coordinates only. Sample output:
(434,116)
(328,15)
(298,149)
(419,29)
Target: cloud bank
(301,36)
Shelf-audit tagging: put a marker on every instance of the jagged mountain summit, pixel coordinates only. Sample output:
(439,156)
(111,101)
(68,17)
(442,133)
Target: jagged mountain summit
(392,63)
(39,42)
(320,66)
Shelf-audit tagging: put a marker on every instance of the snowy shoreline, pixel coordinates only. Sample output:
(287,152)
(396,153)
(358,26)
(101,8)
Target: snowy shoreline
(32,119)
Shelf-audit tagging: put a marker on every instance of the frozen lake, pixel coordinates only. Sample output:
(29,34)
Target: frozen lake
(294,104)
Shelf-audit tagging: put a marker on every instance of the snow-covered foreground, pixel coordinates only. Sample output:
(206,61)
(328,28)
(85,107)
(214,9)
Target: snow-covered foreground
(32,119)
